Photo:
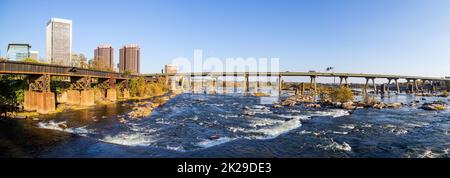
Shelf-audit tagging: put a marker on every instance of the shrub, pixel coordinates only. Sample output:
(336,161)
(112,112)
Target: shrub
(342,94)
(445,94)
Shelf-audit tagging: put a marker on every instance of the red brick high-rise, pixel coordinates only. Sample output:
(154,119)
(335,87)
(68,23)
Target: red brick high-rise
(104,56)
(129,59)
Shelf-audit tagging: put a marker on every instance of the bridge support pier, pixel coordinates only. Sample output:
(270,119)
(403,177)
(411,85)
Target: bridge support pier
(397,86)
(313,84)
(366,86)
(214,85)
(389,86)
(246,82)
(192,83)
(303,88)
(42,102)
(341,79)
(416,85)
(224,84)
(235,83)
(374,86)
(39,97)
(257,83)
(280,84)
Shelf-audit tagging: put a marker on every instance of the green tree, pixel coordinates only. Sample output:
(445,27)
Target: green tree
(30,60)
(342,94)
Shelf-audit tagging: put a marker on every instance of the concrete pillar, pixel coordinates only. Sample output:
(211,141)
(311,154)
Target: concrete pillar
(111,94)
(87,97)
(433,87)
(73,97)
(366,86)
(374,86)
(397,86)
(214,85)
(313,84)
(193,84)
(246,82)
(388,86)
(126,93)
(415,85)
(340,81)
(280,84)
(422,87)
(62,97)
(224,84)
(235,83)
(257,83)
(383,88)
(45,102)
(41,102)
(303,88)
(29,101)
(203,84)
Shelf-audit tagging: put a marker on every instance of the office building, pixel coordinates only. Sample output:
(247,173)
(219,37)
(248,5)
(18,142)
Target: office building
(129,59)
(17,51)
(34,55)
(104,56)
(59,41)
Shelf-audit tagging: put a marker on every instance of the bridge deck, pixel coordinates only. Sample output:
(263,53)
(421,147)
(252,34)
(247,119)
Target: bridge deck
(15,67)
(307,74)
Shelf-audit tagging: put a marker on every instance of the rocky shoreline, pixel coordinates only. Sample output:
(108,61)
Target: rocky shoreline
(143,109)
(308,102)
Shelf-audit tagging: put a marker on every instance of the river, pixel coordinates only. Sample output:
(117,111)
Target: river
(200,125)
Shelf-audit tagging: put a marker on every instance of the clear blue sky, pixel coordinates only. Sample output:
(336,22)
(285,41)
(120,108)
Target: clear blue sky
(375,36)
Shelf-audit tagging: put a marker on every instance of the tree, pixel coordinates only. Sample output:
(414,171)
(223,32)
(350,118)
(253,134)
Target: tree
(30,60)
(79,60)
(342,94)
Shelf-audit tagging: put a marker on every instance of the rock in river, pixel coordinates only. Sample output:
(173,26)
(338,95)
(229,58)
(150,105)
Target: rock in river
(434,106)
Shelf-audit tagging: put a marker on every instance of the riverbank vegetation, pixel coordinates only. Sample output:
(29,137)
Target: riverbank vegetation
(12,93)
(141,88)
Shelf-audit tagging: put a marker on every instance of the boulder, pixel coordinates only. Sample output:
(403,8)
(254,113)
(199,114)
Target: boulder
(379,105)
(434,106)
(62,126)
(122,120)
(277,106)
(311,105)
(394,105)
(348,105)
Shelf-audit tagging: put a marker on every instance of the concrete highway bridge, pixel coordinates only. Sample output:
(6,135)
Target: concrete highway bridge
(39,96)
(412,81)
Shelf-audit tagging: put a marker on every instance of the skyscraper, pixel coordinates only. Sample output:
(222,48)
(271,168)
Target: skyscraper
(104,56)
(18,51)
(129,59)
(59,41)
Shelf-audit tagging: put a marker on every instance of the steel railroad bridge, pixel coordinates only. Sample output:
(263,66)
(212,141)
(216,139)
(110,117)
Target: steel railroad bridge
(39,96)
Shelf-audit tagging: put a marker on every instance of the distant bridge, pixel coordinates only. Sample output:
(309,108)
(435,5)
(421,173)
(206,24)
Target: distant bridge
(411,80)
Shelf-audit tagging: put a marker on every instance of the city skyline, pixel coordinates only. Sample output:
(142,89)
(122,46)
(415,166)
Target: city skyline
(404,37)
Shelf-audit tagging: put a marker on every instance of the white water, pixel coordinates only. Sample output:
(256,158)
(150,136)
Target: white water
(82,131)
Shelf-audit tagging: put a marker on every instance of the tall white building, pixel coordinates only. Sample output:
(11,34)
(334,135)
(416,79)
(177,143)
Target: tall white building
(34,55)
(59,41)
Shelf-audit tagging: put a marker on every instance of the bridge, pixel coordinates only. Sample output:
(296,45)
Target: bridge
(40,97)
(412,81)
